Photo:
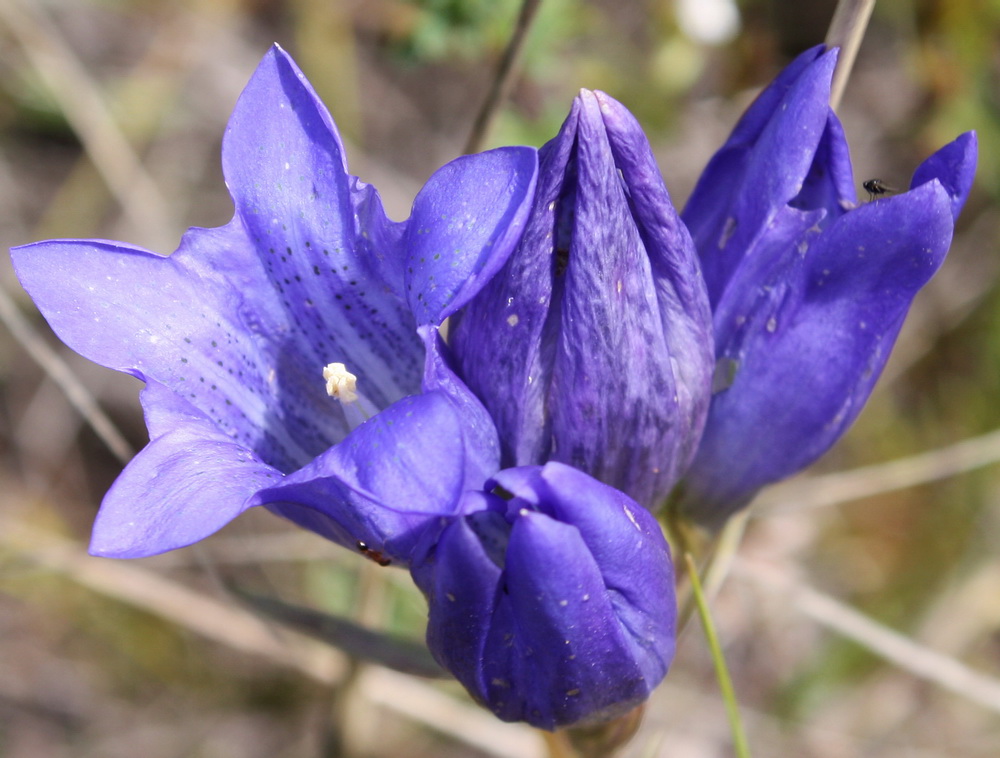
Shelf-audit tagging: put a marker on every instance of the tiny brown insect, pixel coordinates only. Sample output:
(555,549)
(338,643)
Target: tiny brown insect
(875,187)
(373,555)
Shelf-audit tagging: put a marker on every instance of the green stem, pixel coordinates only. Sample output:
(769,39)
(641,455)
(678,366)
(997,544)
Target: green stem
(740,744)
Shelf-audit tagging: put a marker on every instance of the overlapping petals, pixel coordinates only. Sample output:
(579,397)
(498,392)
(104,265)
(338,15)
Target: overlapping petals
(231,332)
(808,289)
(592,346)
(554,606)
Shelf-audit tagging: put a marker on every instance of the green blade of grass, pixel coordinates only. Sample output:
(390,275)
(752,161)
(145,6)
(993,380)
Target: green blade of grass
(740,744)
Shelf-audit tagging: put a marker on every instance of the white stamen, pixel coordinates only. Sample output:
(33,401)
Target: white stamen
(340,383)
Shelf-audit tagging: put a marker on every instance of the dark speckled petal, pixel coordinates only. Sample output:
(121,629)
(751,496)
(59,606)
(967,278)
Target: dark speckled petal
(331,277)
(205,332)
(232,331)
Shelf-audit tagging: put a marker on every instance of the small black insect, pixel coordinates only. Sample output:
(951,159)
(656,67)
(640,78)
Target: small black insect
(374,555)
(875,187)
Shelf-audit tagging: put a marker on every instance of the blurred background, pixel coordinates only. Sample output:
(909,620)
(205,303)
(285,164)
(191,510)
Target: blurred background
(111,117)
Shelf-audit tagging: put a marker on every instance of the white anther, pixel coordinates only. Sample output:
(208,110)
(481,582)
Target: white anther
(341,383)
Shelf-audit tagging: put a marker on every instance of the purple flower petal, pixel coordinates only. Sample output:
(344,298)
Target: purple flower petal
(592,346)
(954,165)
(192,325)
(713,195)
(392,476)
(233,331)
(760,169)
(556,654)
(556,607)
(460,579)
(830,182)
(482,446)
(625,542)
(285,168)
(506,369)
(242,319)
(187,483)
(680,290)
(465,223)
(812,338)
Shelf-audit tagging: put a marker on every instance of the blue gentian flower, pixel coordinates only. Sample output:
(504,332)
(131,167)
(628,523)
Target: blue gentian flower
(550,594)
(808,288)
(232,332)
(571,616)
(592,346)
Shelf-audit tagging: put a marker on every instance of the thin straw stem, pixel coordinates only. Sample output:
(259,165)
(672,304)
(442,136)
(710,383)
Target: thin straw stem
(503,78)
(846,31)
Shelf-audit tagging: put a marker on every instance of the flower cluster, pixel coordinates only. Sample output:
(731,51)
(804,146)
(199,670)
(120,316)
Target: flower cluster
(607,358)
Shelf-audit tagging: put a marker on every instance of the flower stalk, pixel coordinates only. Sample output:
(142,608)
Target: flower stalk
(740,744)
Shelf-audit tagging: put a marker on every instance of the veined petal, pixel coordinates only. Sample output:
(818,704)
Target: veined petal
(676,274)
(242,319)
(806,366)
(498,337)
(620,408)
(465,222)
(611,421)
(591,346)
(187,483)
(186,322)
(233,331)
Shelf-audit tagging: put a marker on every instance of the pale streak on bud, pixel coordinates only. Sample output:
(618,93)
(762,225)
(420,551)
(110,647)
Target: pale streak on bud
(340,383)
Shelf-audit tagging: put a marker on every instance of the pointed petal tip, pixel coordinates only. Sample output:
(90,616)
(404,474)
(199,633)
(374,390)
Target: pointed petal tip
(826,64)
(103,547)
(954,166)
(111,538)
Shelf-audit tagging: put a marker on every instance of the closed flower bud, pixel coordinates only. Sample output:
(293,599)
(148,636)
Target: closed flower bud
(555,606)
(592,345)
